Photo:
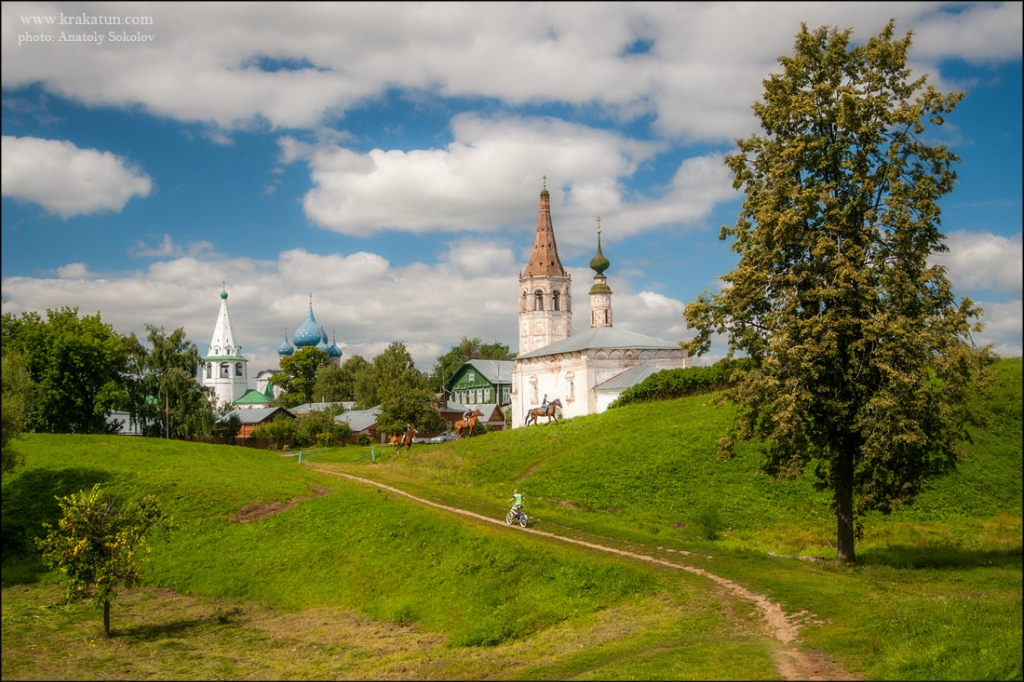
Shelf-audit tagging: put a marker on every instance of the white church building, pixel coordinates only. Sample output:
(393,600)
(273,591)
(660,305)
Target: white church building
(586,371)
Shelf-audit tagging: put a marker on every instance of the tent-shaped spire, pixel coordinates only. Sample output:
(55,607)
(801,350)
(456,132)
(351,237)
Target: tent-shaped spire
(544,260)
(223,341)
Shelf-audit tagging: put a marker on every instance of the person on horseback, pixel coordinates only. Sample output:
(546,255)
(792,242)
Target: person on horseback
(517,500)
(467,415)
(544,404)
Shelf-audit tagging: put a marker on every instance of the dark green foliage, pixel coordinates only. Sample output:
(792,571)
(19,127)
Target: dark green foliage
(298,376)
(338,383)
(320,428)
(163,397)
(228,428)
(412,406)
(364,440)
(391,372)
(677,383)
(862,357)
(76,364)
(277,434)
(17,404)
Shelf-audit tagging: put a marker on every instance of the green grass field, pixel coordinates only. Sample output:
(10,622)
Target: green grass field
(354,582)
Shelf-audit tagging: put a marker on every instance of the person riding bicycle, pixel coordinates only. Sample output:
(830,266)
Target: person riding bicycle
(517,500)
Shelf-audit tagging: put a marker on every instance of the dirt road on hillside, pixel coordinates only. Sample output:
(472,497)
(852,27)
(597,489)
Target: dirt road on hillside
(791,661)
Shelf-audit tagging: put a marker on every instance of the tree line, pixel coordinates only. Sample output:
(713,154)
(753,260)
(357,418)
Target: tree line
(66,372)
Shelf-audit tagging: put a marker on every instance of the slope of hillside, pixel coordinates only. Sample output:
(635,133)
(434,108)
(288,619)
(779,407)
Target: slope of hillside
(935,595)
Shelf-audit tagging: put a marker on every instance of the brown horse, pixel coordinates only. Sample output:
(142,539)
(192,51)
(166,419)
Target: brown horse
(470,424)
(533,414)
(405,441)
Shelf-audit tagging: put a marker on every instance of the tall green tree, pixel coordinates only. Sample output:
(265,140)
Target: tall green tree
(298,376)
(414,406)
(338,383)
(862,358)
(467,349)
(393,372)
(163,396)
(77,365)
(96,544)
(18,392)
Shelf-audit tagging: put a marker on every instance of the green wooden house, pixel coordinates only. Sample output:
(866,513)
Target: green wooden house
(481,382)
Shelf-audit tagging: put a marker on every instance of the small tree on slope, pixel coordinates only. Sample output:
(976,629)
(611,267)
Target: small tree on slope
(862,359)
(96,544)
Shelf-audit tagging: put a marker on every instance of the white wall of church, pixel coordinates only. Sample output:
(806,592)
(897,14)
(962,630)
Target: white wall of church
(572,378)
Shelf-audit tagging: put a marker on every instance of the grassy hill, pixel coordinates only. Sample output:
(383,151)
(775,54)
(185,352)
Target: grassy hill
(936,593)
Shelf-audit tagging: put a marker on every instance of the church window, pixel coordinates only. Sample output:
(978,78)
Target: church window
(570,385)
(534,395)
(238,369)
(225,370)
(209,370)
(538,300)
(554,301)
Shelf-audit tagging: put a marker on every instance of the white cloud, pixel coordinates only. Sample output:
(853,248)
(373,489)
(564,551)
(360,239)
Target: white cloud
(74,271)
(1003,325)
(66,180)
(477,182)
(480,181)
(982,261)
(258,64)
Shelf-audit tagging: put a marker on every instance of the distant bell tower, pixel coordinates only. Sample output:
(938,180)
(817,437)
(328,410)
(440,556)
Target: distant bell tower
(600,293)
(545,300)
(224,368)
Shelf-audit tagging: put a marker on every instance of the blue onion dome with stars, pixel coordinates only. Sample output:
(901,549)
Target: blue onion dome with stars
(310,333)
(286,348)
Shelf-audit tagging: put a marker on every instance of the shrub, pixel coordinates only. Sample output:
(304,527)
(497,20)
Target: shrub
(677,383)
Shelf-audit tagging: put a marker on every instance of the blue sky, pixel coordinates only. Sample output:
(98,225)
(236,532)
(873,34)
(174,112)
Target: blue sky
(387,158)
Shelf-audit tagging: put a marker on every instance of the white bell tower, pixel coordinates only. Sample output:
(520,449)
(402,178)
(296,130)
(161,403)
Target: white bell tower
(224,368)
(545,299)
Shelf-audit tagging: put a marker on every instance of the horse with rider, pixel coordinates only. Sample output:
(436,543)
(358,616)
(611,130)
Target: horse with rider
(546,409)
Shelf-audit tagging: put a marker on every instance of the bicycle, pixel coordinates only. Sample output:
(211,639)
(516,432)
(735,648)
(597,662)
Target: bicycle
(513,517)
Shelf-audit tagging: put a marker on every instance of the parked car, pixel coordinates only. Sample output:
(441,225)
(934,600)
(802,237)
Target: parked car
(442,438)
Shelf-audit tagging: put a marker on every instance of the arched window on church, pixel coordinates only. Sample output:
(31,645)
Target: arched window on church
(555,301)
(225,370)
(570,386)
(238,369)
(534,395)
(538,300)
(209,370)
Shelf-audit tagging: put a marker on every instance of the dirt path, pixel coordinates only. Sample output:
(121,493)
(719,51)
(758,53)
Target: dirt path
(791,661)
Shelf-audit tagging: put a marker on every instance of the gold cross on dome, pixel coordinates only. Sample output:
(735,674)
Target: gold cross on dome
(545,182)
(599,224)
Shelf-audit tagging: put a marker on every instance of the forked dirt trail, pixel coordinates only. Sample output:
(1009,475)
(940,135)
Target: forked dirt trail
(791,662)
